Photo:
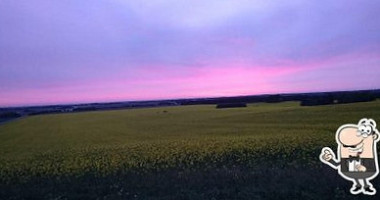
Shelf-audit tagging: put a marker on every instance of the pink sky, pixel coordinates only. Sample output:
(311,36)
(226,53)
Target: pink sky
(231,79)
(99,51)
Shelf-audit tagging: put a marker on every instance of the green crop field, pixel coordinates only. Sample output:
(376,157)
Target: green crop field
(264,151)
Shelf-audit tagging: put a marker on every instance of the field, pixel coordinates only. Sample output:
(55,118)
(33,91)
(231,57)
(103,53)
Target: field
(264,151)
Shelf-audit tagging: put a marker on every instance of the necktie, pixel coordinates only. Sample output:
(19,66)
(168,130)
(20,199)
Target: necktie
(352,158)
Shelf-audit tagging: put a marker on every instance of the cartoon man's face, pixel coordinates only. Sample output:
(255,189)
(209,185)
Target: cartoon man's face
(358,141)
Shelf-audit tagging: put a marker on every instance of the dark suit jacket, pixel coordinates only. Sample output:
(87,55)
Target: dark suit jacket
(368,163)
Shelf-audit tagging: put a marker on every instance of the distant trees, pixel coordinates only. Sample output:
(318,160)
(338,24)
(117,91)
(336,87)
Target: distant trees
(356,97)
(324,99)
(231,105)
(7,115)
(338,98)
(276,98)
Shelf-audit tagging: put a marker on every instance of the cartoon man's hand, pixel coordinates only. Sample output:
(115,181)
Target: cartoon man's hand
(360,168)
(327,154)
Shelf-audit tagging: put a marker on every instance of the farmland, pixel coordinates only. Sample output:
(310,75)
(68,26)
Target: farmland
(267,150)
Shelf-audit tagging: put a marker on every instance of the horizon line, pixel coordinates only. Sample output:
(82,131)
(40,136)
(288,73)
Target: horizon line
(179,98)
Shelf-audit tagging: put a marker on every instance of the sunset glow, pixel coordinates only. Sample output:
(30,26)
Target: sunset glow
(97,51)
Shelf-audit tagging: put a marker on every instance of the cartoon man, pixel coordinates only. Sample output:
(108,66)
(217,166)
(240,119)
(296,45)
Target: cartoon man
(357,155)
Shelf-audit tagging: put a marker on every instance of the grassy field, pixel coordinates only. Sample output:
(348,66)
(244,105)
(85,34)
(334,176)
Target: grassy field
(264,151)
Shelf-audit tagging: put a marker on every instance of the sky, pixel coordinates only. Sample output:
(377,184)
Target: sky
(76,51)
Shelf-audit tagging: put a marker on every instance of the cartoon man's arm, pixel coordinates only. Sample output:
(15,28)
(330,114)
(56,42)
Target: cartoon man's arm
(328,157)
(368,165)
